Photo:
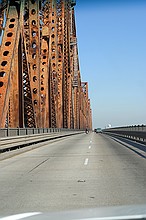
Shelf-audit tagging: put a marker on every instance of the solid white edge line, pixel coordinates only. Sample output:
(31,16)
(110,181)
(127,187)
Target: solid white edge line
(86,161)
(20,216)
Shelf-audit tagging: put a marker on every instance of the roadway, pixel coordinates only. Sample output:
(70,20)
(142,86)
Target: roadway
(81,171)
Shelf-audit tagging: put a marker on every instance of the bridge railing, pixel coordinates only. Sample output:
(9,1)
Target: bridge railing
(14,138)
(136,133)
(10,132)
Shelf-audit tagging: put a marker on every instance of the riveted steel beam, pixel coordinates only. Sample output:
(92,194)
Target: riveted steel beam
(7,62)
(40,81)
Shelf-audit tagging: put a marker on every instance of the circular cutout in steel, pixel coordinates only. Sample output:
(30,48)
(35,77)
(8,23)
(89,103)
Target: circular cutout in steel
(12,19)
(7,43)
(2,74)
(1,83)
(11,25)
(35,102)
(34,78)
(35,91)
(33,11)
(33,22)
(34,45)
(5,53)
(4,63)
(34,56)
(34,67)
(33,34)
(9,34)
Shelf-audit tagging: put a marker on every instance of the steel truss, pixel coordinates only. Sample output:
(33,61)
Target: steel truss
(40,81)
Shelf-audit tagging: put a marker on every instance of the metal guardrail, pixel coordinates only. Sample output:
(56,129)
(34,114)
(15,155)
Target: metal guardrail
(21,137)
(9,132)
(136,133)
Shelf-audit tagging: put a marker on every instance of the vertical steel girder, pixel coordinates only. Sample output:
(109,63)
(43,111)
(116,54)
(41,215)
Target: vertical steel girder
(8,70)
(60,37)
(54,67)
(44,64)
(40,82)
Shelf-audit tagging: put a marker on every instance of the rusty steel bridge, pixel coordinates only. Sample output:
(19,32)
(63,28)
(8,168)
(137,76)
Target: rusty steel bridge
(40,79)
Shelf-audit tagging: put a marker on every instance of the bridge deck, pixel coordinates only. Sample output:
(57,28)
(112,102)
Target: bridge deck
(80,171)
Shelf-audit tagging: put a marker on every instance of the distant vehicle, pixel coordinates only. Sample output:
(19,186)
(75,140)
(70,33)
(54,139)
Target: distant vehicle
(98,130)
(86,131)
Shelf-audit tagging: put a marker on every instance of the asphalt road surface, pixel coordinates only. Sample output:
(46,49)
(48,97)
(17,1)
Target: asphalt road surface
(81,171)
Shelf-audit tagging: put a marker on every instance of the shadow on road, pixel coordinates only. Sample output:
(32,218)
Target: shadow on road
(136,145)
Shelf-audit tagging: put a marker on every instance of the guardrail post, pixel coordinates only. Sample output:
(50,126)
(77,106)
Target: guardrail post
(18,131)
(7,132)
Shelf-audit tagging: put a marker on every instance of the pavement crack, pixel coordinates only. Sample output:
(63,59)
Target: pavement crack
(38,165)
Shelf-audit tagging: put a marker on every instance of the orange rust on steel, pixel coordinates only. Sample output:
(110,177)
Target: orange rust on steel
(14,91)
(6,61)
(60,34)
(34,57)
(68,102)
(3,7)
(44,64)
(85,111)
(29,113)
(66,119)
(75,71)
(40,81)
(53,67)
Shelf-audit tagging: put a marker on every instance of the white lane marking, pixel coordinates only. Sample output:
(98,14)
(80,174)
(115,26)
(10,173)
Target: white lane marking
(86,161)
(89,147)
(20,216)
(90,141)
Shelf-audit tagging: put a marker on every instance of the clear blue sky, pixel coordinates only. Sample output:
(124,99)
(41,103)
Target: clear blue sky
(112,53)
